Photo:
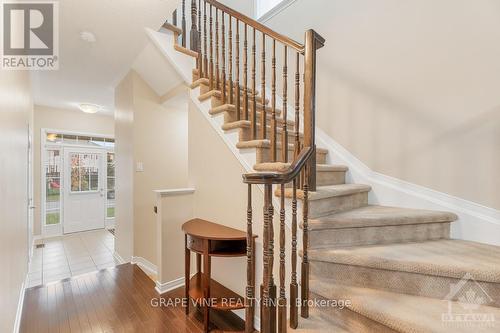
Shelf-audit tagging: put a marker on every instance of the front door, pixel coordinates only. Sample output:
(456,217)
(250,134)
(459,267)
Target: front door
(84,199)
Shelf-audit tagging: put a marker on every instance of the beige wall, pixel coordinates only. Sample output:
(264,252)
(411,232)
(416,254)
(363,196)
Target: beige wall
(409,87)
(173,212)
(246,7)
(64,120)
(16,108)
(157,138)
(124,139)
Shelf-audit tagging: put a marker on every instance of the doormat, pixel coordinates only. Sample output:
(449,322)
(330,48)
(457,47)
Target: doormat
(112,231)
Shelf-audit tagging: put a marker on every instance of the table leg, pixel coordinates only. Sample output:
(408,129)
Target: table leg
(198,262)
(206,285)
(187,273)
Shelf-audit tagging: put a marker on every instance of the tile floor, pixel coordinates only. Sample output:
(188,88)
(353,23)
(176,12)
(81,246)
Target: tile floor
(71,255)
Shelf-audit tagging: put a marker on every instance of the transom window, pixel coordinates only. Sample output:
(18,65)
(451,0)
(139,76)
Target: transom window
(80,140)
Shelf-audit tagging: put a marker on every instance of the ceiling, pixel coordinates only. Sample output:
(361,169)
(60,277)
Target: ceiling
(88,72)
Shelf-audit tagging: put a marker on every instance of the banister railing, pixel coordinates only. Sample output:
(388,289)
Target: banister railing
(258,26)
(229,45)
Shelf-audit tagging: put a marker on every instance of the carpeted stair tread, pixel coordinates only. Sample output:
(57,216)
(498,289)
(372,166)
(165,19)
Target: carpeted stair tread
(236,125)
(232,108)
(331,167)
(318,324)
(246,124)
(282,167)
(404,313)
(373,215)
(266,143)
(323,192)
(172,28)
(445,258)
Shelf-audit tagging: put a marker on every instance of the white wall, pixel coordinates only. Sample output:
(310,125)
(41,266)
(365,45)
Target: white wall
(246,7)
(16,109)
(410,87)
(124,169)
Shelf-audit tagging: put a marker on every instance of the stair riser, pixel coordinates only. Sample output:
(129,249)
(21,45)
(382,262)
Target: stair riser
(264,155)
(205,87)
(323,207)
(246,134)
(402,282)
(350,320)
(230,117)
(378,235)
(218,101)
(325,178)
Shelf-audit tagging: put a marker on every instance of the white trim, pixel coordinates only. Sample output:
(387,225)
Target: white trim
(274,11)
(162,288)
(147,266)
(20,303)
(55,230)
(174,192)
(119,258)
(476,222)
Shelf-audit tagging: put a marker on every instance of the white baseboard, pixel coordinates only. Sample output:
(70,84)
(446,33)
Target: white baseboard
(20,304)
(162,288)
(476,222)
(119,258)
(145,265)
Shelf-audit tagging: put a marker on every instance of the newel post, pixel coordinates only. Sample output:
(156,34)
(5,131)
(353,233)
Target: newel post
(312,43)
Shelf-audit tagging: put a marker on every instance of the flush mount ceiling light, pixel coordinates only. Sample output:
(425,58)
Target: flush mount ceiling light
(88,37)
(90,108)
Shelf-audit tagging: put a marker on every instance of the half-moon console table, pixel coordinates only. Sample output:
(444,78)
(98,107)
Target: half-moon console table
(209,240)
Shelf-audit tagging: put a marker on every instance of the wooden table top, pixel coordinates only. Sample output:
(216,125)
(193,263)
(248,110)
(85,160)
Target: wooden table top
(208,230)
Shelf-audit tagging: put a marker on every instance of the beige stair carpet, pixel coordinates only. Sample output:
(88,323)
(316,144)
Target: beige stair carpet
(411,314)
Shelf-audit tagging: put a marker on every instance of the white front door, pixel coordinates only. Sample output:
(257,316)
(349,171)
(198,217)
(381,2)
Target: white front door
(84,199)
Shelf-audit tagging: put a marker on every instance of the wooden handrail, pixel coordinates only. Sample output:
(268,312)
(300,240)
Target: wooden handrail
(259,26)
(281,177)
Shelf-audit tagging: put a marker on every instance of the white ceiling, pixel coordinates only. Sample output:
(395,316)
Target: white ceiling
(89,72)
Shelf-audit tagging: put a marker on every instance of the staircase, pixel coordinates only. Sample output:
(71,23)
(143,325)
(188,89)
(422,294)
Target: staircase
(397,268)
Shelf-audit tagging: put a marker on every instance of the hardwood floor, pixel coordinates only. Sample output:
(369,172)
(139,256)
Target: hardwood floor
(112,300)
